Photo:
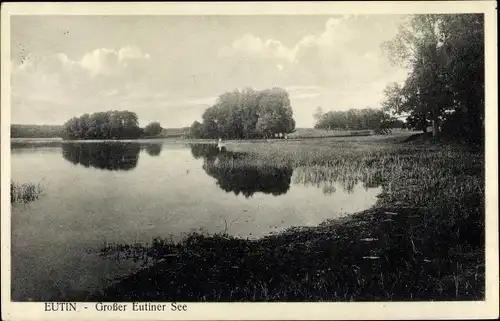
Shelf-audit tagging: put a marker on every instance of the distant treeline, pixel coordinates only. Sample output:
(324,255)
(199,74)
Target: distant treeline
(176,132)
(35,131)
(247,114)
(102,125)
(357,119)
(111,124)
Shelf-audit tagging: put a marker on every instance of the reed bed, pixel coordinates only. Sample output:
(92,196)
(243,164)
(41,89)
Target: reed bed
(24,193)
(423,240)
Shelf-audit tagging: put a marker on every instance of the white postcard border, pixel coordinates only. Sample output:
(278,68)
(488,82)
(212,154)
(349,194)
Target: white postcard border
(267,311)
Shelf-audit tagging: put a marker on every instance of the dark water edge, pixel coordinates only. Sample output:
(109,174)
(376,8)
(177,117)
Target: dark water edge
(383,254)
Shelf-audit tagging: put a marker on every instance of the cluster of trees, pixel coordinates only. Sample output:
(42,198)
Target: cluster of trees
(445,86)
(153,129)
(108,125)
(357,119)
(246,114)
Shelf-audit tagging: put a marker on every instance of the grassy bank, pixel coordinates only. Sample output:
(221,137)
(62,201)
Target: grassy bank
(424,239)
(323,133)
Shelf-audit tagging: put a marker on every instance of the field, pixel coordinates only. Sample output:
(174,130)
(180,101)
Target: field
(323,133)
(176,132)
(32,131)
(423,240)
(56,131)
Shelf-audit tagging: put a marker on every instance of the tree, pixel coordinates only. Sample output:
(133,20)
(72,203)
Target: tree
(464,65)
(246,114)
(210,128)
(318,114)
(404,100)
(275,112)
(266,125)
(445,55)
(355,119)
(417,46)
(249,113)
(153,129)
(195,131)
(398,123)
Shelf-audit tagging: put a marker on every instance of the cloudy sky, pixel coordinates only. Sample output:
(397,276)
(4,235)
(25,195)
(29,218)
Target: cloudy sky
(170,68)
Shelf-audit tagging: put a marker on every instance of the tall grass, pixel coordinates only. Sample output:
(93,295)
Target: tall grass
(24,193)
(447,181)
(423,240)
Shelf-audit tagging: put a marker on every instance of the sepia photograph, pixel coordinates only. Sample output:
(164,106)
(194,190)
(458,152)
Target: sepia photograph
(161,160)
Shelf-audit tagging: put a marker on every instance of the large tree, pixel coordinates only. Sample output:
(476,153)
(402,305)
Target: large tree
(247,113)
(196,129)
(153,129)
(445,56)
(318,114)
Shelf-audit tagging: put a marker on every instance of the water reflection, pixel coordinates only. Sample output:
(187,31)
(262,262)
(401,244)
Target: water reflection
(115,156)
(154,149)
(235,174)
(170,202)
(329,179)
(209,152)
(376,179)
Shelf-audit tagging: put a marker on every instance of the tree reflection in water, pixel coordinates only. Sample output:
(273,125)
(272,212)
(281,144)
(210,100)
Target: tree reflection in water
(236,174)
(108,156)
(154,149)
(329,178)
(205,151)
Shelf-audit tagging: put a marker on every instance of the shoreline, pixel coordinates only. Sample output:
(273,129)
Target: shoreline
(370,255)
(422,240)
(18,141)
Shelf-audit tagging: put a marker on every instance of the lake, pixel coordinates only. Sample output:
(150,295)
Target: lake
(101,193)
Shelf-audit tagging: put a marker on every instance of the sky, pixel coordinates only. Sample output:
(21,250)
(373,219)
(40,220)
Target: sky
(171,68)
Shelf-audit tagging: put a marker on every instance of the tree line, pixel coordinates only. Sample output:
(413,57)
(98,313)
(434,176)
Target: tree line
(35,131)
(111,124)
(246,114)
(444,89)
(356,119)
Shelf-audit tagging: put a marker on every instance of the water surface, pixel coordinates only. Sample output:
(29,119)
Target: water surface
(99,193)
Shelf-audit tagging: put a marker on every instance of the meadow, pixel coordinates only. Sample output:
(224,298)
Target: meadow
(321,133)
(423,240)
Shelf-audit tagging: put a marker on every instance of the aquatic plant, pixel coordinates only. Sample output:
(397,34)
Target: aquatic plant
(423,240)
(24,193)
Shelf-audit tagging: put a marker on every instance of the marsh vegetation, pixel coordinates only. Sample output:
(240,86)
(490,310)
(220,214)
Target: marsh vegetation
(24,193)
(422,240)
